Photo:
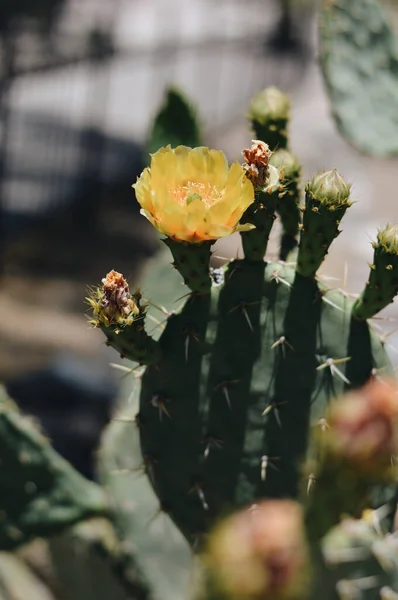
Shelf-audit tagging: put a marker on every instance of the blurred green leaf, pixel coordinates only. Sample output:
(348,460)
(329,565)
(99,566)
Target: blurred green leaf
(176,124)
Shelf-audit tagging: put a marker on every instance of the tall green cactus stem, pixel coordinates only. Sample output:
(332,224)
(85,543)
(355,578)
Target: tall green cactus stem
(288,205)
(269,114)
(261,214)
(122,319)
(327,197)
(382,286)
(192,261)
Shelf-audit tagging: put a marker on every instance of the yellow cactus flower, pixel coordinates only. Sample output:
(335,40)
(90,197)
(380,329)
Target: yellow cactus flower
(190,194)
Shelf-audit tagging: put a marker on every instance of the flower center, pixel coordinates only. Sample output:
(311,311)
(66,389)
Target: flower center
(185,194)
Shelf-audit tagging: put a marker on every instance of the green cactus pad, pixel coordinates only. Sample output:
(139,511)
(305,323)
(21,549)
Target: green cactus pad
(175,124)
(225,416)
(359,59)
(41,494)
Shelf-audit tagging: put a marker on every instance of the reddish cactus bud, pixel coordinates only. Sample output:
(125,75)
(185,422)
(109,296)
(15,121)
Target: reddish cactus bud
(257,167)
(363,429)
(260,553)
(112,303)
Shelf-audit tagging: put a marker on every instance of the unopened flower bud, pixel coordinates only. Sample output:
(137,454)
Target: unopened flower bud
(269,105)
(388,239)
(112,303)
(329,188)
(363,429)
(287,164)
(260,553)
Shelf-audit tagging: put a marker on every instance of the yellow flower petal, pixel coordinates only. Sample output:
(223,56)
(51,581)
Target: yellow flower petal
(238,189)
(190,195)
(143,190)
(208,166)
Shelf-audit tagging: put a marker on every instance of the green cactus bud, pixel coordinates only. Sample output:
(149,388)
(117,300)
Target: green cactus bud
(382,286)
(121,317)
(388,238)
(269,105)
(289,199)
(330,189)
(287,163)
(326,200)
(269,114)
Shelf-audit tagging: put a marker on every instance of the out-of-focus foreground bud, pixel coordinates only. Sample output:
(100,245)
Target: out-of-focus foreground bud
(363,430)
(260,553)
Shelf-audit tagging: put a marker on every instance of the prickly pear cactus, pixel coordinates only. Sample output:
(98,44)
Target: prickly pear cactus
(241,376)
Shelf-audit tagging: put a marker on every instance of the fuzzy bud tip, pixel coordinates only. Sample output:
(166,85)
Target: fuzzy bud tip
(269,105)
(388,239)
(330,188)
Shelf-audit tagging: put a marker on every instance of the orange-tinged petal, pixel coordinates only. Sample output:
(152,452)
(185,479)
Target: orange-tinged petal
(196,216)
(173,219)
